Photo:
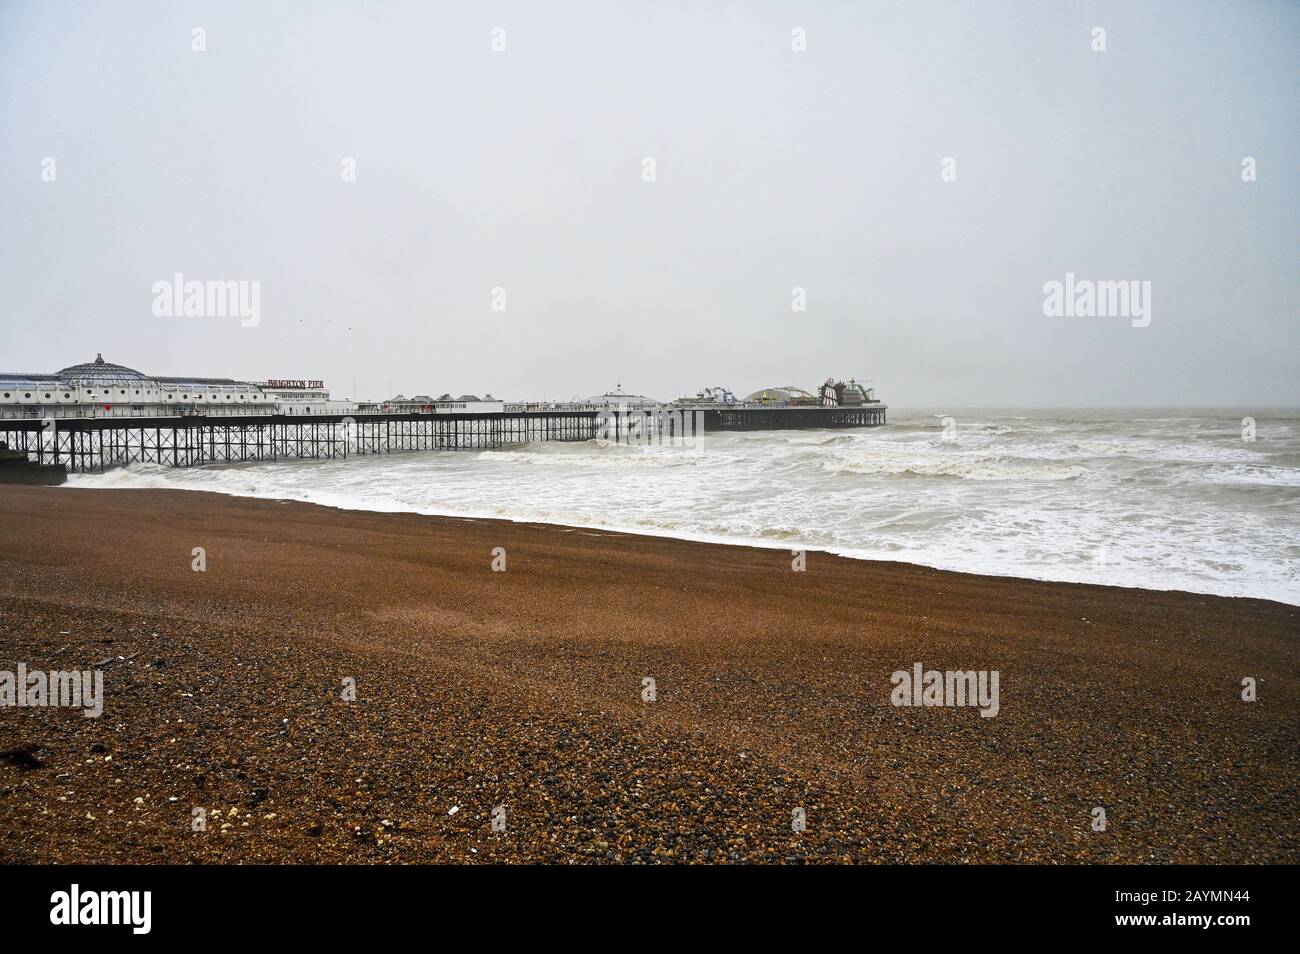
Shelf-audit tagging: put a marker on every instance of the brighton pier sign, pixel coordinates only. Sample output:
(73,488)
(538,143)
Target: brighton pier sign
(294,384)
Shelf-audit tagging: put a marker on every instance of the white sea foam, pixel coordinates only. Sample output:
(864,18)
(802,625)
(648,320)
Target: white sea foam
(880,462)
(1166,502)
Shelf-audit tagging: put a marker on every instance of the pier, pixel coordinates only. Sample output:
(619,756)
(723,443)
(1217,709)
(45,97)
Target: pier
(92,444)
(91,416)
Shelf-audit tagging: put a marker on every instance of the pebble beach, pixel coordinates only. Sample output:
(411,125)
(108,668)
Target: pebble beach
(350,687)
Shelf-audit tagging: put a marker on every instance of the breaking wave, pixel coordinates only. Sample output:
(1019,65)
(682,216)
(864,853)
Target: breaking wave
(963,468)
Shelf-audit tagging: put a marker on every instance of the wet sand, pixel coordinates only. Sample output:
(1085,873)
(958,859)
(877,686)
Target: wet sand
(523,689)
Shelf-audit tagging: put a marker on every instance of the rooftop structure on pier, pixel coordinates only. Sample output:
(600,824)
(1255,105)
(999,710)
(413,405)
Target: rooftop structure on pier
(99,388)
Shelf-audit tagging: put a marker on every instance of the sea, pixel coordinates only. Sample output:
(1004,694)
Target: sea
(1205,501)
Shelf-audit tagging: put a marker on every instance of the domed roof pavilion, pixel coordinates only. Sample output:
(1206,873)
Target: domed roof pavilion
(100,372)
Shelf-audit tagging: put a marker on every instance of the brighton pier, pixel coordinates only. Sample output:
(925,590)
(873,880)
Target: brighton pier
(98,415)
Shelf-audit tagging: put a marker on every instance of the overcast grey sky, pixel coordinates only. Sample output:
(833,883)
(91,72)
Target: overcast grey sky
(774,169)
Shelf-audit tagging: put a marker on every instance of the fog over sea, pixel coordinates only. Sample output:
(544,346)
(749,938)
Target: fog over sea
(1163,500)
